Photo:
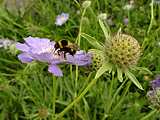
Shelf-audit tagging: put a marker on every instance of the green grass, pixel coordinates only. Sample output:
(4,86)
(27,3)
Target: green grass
(27,90)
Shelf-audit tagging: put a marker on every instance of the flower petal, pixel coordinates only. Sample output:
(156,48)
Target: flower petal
(55,70)
(35,41)
(80,58)
(22,47)
(25,58)
(61,19)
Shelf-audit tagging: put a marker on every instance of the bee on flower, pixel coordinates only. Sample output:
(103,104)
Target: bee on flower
(43,50)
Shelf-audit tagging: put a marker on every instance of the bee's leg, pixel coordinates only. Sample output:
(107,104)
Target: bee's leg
(65,52)
(73,52)
(59,51)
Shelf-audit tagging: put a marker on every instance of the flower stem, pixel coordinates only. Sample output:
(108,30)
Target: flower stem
(152,18)
(123,96)
(80,28)
(149,115)
(77,98)
(76,85)
(114,96)
(54,96)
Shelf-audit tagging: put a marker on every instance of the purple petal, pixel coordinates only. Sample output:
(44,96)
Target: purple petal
(25,58)
(35,41)
(61,19)
(80,58)
(156,83)
(54,69)
(22,47)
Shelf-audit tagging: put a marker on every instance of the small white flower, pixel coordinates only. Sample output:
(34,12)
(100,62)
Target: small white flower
(86,4)
(61,19)
(5,43)
(102,16)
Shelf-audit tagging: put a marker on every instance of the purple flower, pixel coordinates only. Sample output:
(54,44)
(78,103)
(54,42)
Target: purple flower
(61,19)
(43,50)
(126,20)
(40,49)
(81,58)
(155,83)
(153,95)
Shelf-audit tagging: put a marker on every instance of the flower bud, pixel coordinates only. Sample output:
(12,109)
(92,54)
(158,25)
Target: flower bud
(102,16)
(86,4)
(43,113)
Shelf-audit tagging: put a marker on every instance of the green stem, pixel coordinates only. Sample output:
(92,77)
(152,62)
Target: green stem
(152,18)
(54,97)
(114,96)
(123,96)
(76,81)
(149,115)
(77,99)
(80,28)
(76,85)
(110,91)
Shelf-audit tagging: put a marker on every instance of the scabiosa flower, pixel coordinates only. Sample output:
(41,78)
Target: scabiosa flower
(43,112)
(6,43)
(61,19)
(43,50)
(81,58)
(40,49)
(126,21)
(123,50)
(97,59)
(153,95)
(119,54)
(155,83)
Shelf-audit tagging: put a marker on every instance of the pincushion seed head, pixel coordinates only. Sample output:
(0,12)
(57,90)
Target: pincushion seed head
(97,60)
(43,113)
(123,50)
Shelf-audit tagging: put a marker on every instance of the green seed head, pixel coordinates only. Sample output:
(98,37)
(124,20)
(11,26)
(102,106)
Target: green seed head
(123,50)
(43,113)
(97,60)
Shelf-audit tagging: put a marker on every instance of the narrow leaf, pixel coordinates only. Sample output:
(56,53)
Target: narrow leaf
(92,41)
(133,79)
(119,73)
(144,70)
(105,29)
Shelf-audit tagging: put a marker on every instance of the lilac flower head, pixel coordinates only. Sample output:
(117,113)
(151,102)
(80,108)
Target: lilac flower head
(81,58)
(43,50)
(40,49)
(153,95)
(155,83)
(6,43)
(126,20)
(61,19)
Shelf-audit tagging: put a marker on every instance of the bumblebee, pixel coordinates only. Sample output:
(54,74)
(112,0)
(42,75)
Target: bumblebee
(66,47)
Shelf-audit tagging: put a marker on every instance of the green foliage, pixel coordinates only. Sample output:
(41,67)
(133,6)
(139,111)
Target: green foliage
(26,90)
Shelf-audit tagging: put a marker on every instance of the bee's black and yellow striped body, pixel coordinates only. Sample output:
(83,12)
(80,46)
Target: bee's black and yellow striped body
(66,47)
